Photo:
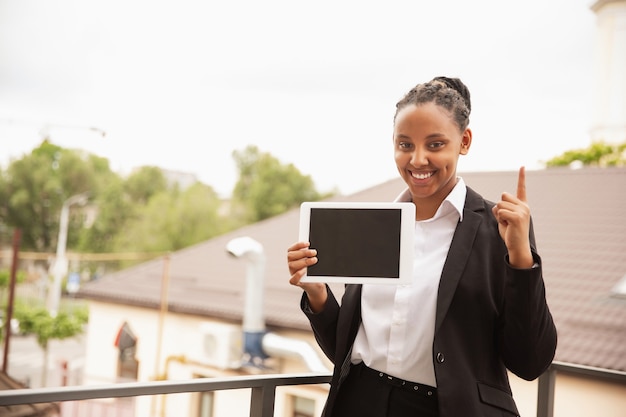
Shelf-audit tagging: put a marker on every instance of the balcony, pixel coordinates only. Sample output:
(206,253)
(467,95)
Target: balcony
(263,388)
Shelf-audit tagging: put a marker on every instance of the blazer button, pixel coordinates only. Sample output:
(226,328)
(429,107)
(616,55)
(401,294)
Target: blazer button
(440,357)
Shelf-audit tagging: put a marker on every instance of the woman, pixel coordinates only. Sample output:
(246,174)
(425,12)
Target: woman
(476,307)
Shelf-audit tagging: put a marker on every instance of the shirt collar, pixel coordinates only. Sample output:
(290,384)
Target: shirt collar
(457,197)
(455,200)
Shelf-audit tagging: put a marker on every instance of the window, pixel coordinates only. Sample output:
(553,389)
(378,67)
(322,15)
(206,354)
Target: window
(127,364)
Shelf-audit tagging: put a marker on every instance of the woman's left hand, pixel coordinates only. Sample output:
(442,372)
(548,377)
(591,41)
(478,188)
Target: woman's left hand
(513,216)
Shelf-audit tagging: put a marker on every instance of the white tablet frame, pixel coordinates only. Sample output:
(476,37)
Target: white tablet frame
(406,233)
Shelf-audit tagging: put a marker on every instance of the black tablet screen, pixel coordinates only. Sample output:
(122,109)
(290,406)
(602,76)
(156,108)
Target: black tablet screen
(360,242)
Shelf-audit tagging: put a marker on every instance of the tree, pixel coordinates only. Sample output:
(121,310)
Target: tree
(142,212)
(144,183)
(36,186)
(38,321)
(174,219)
(597,154)
(5,279)
(4,207)
(266,187)
(113,212)
(119,205)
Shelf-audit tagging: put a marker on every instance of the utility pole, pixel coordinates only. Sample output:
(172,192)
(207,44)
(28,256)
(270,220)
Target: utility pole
(60,266)
(17,236)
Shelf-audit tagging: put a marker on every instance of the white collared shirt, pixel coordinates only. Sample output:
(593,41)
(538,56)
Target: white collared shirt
(397,331)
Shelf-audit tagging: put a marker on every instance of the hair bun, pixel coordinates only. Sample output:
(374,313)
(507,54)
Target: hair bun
(457,85)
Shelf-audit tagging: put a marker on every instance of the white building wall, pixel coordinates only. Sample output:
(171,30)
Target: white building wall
(609,109)
(101,353)
(183,356)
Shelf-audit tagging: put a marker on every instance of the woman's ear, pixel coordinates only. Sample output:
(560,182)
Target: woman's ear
(466,141)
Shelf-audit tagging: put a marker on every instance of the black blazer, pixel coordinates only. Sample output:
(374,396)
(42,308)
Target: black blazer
(490,317)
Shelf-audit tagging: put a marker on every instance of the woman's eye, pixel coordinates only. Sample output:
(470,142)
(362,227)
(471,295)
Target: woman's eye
(404,145)
(435,145)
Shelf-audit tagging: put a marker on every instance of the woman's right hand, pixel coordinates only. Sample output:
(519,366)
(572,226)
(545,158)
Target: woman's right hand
(299,258)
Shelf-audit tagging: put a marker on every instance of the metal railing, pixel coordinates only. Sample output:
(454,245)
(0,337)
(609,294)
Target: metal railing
(263,388)
(547,381)
(261,403)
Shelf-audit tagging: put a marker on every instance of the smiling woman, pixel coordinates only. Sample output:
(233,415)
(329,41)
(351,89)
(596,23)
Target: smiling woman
(427,150)
(474,307)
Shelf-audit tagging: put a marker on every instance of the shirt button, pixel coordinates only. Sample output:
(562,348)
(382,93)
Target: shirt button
(440,357)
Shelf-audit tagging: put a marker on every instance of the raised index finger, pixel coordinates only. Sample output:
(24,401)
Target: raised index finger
(521,184)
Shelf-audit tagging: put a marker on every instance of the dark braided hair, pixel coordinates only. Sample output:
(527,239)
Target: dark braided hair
(449,93)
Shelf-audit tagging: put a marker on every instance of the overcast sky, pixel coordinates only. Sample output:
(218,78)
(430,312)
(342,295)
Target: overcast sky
(182,84)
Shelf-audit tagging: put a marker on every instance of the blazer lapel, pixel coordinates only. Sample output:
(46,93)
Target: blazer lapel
(347,328)
(460,250)
(350,316)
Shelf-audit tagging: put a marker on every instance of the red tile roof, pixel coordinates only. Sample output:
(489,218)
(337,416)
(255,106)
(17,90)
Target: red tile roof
(580,225)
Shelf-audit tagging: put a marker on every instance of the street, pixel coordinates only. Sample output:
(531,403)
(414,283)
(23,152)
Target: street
(26,361)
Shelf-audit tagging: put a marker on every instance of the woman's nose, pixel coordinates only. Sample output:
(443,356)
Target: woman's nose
(419,158)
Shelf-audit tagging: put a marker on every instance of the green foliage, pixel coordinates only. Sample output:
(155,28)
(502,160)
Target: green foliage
(36,187)
(5,277)
(4,198)
(114,209)
(172,220)
(142,213)
(266,187)
(597,154)
(144,183)
(38,321)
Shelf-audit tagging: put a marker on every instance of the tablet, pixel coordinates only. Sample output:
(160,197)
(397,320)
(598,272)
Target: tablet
(359,242)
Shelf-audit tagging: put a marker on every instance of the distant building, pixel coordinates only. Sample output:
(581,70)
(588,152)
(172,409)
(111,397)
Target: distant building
(609,106)
(183,179)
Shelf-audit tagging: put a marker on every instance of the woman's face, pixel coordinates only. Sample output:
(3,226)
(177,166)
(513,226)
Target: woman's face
(427,145)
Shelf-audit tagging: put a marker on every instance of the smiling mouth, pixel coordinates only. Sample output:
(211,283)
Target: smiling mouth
(422,175)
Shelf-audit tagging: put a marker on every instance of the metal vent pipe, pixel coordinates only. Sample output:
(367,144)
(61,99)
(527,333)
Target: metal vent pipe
(258,344)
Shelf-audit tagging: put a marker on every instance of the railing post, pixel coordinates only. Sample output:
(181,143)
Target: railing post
(262,401)
(545,393)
